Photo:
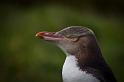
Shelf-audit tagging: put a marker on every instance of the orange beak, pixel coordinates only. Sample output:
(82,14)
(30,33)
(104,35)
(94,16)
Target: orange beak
(49,36)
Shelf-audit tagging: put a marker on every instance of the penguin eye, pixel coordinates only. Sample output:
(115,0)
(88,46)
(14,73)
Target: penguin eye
(74,39)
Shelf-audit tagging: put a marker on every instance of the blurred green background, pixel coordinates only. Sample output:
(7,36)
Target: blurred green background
(25,58)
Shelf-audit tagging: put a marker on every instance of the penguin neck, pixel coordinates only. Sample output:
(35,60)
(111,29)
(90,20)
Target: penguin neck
(88,53)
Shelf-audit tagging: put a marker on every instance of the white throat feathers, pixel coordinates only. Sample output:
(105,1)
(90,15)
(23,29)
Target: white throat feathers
(72,73)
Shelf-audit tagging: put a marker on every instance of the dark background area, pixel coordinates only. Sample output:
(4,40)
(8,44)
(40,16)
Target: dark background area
(25,58)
